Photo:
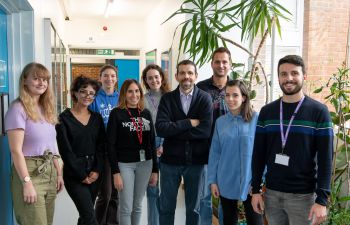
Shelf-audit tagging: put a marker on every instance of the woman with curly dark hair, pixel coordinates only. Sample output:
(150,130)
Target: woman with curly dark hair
(81,140)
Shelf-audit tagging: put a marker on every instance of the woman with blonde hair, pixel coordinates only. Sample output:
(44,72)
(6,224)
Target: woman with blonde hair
(132,151)
(30,126)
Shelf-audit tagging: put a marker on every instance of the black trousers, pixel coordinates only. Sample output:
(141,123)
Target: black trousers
(230,211)
(83,196)
(106,207)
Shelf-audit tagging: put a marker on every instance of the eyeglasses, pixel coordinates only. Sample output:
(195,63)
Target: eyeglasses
(86,93)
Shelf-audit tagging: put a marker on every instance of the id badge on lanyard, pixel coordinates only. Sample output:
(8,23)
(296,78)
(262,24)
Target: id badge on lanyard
(142,155)
(138,129)
(281,158)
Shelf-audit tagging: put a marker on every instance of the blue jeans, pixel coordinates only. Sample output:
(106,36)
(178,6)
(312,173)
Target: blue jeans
(171,178)
(135,178)
(153,199)
(288,208)
(205,208)
(153,205)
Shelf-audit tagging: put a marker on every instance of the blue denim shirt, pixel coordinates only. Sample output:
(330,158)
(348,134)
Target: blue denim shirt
(230,156)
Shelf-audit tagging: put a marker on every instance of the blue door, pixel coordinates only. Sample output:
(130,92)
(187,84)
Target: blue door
(5,159)
(127,69)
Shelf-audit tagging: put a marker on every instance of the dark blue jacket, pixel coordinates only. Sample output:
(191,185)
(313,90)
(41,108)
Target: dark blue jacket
(184,144)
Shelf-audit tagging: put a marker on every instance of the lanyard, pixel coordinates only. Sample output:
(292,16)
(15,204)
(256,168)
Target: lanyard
(284,137)
(138,130)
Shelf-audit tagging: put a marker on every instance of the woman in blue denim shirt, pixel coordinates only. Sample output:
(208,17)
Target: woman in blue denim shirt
(156,84)
(229,167)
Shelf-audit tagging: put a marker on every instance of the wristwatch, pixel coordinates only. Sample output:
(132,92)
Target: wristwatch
(26,179)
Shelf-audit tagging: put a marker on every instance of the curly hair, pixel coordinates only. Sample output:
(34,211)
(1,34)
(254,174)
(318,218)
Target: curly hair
(82,82)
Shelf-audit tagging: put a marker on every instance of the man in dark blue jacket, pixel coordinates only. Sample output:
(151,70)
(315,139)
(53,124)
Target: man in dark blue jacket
(184,119)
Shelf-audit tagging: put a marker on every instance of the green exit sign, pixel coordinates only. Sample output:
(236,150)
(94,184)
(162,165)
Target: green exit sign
(105,52)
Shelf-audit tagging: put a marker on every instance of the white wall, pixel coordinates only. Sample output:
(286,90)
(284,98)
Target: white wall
(120,34)
(46,9)
(160,36)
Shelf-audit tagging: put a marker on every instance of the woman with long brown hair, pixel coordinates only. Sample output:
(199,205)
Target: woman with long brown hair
(132,153)
(156,84)
(230,157)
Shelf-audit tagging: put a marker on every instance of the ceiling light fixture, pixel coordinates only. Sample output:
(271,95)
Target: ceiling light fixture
(108,8)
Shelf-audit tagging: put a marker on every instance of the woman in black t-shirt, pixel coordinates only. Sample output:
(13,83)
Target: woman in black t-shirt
(132,153)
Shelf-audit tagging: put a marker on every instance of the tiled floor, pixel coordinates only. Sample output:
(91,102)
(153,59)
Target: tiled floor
(66,213)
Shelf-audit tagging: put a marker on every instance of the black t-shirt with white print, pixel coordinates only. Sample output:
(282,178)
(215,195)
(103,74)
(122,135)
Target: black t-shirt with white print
(123,142)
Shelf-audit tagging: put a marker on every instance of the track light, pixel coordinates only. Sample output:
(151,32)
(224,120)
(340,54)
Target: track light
(108,8)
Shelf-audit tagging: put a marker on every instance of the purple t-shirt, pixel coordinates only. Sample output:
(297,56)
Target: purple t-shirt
(38,136)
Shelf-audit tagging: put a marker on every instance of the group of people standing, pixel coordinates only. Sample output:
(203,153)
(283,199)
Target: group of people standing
(114,146)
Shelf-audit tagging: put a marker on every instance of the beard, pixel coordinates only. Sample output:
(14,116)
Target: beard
(296,89)
(186,84)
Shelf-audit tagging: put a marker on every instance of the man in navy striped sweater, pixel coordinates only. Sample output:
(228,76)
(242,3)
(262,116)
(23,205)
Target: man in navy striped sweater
(294,141)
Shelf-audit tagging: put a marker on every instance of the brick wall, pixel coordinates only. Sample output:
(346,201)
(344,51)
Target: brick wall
(326,24)
(88,70)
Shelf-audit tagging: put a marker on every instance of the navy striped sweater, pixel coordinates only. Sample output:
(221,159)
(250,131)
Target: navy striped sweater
(309,147)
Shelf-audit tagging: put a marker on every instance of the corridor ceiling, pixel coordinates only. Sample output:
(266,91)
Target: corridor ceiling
(123,9)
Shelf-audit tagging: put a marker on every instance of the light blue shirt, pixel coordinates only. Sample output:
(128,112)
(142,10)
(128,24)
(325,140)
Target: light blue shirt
(186,100)
(230,156)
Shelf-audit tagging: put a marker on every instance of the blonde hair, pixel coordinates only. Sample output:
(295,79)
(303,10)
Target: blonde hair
(122,95)
(46,100)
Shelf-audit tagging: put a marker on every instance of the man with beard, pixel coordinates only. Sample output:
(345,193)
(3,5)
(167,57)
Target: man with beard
(294,140)
(184,120)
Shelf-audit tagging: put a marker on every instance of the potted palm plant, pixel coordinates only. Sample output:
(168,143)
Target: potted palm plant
(208,21)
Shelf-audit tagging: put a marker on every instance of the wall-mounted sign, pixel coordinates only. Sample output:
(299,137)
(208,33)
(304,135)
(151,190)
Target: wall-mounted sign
(166,64)
(151,57)
(105,52)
